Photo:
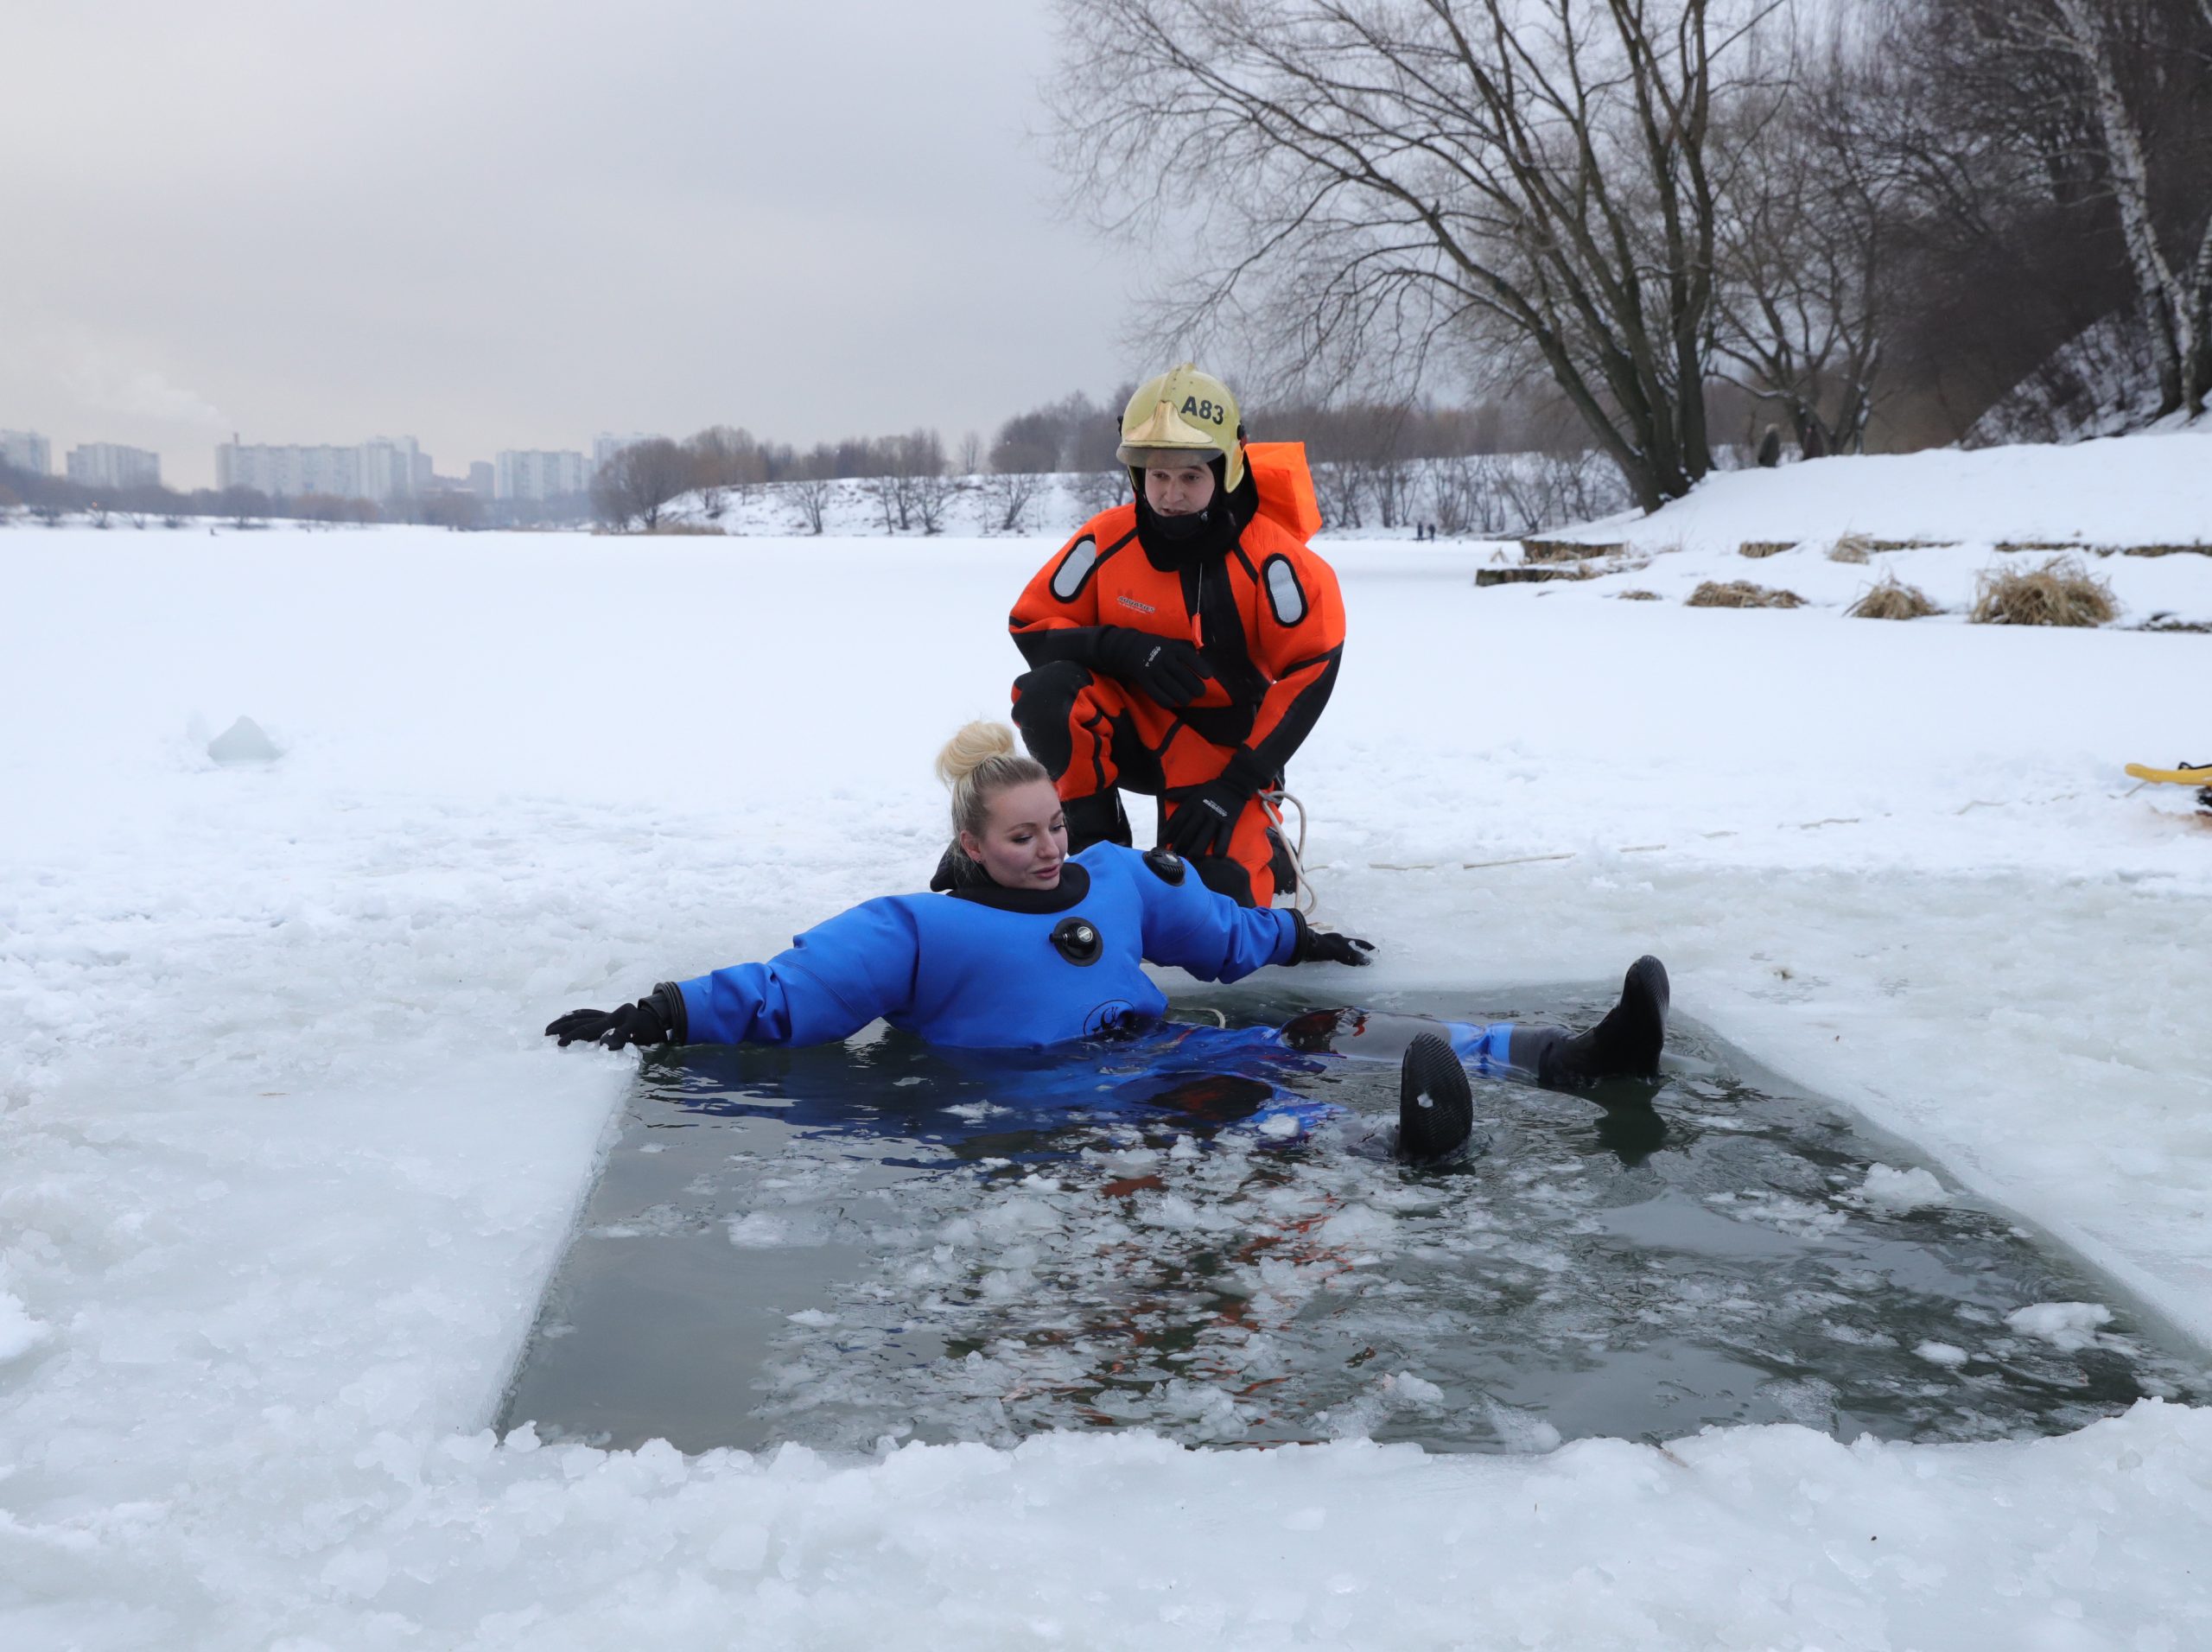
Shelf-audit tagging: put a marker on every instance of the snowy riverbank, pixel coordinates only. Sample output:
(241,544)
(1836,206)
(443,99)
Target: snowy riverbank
(287,1163)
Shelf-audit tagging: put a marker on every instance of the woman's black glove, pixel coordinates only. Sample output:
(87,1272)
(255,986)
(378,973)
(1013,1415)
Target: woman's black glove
(1166,670)
(1325,946)
(657,1018)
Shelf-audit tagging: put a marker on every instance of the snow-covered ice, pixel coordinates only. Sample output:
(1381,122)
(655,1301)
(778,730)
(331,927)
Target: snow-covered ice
(287,1163)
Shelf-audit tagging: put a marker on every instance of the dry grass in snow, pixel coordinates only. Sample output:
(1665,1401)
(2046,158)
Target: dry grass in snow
(1892,599)
(2061,592)
(1742,593)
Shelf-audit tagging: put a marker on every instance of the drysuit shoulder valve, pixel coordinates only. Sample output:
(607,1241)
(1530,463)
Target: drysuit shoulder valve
(1167,865)
(1076,939)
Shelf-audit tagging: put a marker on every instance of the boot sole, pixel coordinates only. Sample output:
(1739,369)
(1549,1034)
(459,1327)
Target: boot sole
(1647,994)
(1436,1107)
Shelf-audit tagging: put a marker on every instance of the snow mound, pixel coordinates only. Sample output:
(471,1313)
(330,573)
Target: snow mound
(2152,489)
(243,741)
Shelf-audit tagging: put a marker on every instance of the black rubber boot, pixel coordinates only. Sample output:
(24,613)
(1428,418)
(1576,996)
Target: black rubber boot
(1436,1109)
(1625,1044)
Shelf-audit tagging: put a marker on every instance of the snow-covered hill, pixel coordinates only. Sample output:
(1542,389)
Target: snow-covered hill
(2136,510)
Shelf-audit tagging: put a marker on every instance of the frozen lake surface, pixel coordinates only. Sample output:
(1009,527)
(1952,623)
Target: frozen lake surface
(842,1246)
(289,1165)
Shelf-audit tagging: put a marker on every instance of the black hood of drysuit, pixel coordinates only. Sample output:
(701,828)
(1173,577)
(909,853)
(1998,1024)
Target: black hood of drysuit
(1172,544)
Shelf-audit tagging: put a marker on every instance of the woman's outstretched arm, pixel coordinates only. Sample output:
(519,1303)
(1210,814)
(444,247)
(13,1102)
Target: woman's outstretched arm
(831,981)
(1194,928)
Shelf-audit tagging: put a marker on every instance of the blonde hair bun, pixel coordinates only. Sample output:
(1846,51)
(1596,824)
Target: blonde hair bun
(976,744)
(978,762)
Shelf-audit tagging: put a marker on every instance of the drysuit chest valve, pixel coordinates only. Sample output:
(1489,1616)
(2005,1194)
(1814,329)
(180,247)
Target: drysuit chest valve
(1077,940)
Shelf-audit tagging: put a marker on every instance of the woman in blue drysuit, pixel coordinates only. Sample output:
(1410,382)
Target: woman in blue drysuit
(1020,947)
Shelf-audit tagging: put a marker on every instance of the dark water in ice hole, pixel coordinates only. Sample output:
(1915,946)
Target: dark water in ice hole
(832,1246)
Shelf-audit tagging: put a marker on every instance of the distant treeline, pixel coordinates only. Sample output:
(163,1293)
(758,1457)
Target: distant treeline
(49,498)
(1365,459)
(1363,456)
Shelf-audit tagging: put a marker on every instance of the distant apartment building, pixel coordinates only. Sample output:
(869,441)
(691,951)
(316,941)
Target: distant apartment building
(27,451)
(109,464)
(483,481)
(606,445)
(531,473)
(380,469)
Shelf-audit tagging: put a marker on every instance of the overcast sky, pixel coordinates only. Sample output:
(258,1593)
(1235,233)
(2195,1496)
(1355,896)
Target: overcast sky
(493,224)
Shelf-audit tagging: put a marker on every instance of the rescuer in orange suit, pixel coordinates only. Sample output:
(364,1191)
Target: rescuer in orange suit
(1184,643)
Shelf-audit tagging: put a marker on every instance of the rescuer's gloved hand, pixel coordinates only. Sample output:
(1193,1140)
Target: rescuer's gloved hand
(1324,946)
(657,1018)
(1204,822)
(1166,670)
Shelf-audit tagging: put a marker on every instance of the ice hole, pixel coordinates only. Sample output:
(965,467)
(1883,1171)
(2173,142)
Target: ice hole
(837,1246)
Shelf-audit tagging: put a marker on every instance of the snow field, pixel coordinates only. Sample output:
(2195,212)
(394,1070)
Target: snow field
(289,1164)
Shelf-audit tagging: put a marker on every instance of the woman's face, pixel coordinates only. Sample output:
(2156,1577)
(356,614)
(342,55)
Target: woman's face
(1024,837)
(1181,490)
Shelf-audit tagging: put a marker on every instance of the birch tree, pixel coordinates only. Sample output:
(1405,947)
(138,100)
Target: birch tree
(2171,264)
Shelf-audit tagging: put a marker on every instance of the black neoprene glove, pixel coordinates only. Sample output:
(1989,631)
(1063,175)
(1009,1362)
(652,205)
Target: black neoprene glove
(1166,670)
(1206,819)
(657,1018)
(1203,822)
(1325,946)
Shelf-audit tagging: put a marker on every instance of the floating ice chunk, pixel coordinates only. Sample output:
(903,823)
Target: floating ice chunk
(1941,1353)
(1417,1392)
(19,1333)
(2068,1326)
(243,741)
(1519,1431)
(758,1230)
(1901,1190)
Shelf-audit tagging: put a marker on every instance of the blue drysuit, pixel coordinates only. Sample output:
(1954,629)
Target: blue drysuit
(985,972)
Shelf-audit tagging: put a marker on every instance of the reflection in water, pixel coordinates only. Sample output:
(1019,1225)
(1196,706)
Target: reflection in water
(1202,1232)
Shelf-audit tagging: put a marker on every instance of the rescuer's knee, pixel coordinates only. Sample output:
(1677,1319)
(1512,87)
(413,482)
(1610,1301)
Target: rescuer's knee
(1044,703)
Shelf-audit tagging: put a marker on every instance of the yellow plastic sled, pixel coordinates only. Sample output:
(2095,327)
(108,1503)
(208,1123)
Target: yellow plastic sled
(2190,774)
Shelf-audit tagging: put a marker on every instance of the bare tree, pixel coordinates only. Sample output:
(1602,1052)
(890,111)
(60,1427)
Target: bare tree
(1100,488)
(1341,487)
(1802,244)
(812,494)
(1006,497)
(907,482)
(638,482)
(457,510)
(888,492)
(968,459)
(246,507)
(1403,176)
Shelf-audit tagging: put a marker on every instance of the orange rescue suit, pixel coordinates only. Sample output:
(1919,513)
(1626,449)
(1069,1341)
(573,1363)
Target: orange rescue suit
(1267,620)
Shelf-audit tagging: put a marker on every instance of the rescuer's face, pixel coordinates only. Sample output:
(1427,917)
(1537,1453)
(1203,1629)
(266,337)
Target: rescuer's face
(1179,491)
(1025,840)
